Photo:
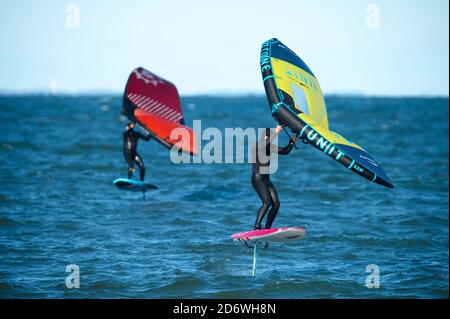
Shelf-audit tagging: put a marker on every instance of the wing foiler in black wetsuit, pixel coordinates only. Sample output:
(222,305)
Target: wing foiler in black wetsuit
(130,140)
(261,177)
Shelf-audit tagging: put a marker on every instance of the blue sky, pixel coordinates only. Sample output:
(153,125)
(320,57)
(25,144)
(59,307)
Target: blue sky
(213,46)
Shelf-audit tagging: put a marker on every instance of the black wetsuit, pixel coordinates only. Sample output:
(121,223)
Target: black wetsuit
(130,139)
(261,178)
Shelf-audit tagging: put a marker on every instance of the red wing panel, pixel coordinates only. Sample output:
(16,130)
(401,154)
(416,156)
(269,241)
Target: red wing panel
(161,129)
(155,95)
(155,104)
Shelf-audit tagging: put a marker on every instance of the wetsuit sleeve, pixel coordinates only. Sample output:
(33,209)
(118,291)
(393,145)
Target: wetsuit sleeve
(262,144)
(287,149)
(145,138)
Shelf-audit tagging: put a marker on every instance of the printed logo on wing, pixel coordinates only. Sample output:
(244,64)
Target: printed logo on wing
(369,160)
(148,77)
(155,107)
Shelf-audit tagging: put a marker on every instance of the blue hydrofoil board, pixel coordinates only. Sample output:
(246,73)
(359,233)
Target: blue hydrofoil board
(133,185)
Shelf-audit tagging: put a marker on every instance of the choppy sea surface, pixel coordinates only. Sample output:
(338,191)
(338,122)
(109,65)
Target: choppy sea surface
(60,154)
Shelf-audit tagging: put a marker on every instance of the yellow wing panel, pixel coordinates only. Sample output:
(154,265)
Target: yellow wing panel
(303,88)
(333,137)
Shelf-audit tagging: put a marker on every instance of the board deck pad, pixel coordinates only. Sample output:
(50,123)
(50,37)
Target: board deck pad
(133,185)
(285,234)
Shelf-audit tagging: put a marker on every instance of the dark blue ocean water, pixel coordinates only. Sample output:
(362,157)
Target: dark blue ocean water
(59,156)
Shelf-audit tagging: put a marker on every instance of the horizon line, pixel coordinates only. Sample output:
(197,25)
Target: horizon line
(215,94)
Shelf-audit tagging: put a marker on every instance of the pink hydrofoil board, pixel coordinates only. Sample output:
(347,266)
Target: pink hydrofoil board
(285,234)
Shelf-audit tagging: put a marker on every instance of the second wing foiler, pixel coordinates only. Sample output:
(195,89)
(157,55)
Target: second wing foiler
(154,103)
(296,100)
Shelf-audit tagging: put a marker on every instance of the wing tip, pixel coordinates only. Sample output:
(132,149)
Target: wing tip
(383,182)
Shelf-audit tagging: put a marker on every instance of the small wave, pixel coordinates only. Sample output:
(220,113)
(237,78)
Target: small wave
(6,221)
(7,146)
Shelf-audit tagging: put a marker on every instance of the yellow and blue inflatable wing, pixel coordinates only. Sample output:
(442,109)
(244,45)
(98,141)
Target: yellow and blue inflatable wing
(296,100)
